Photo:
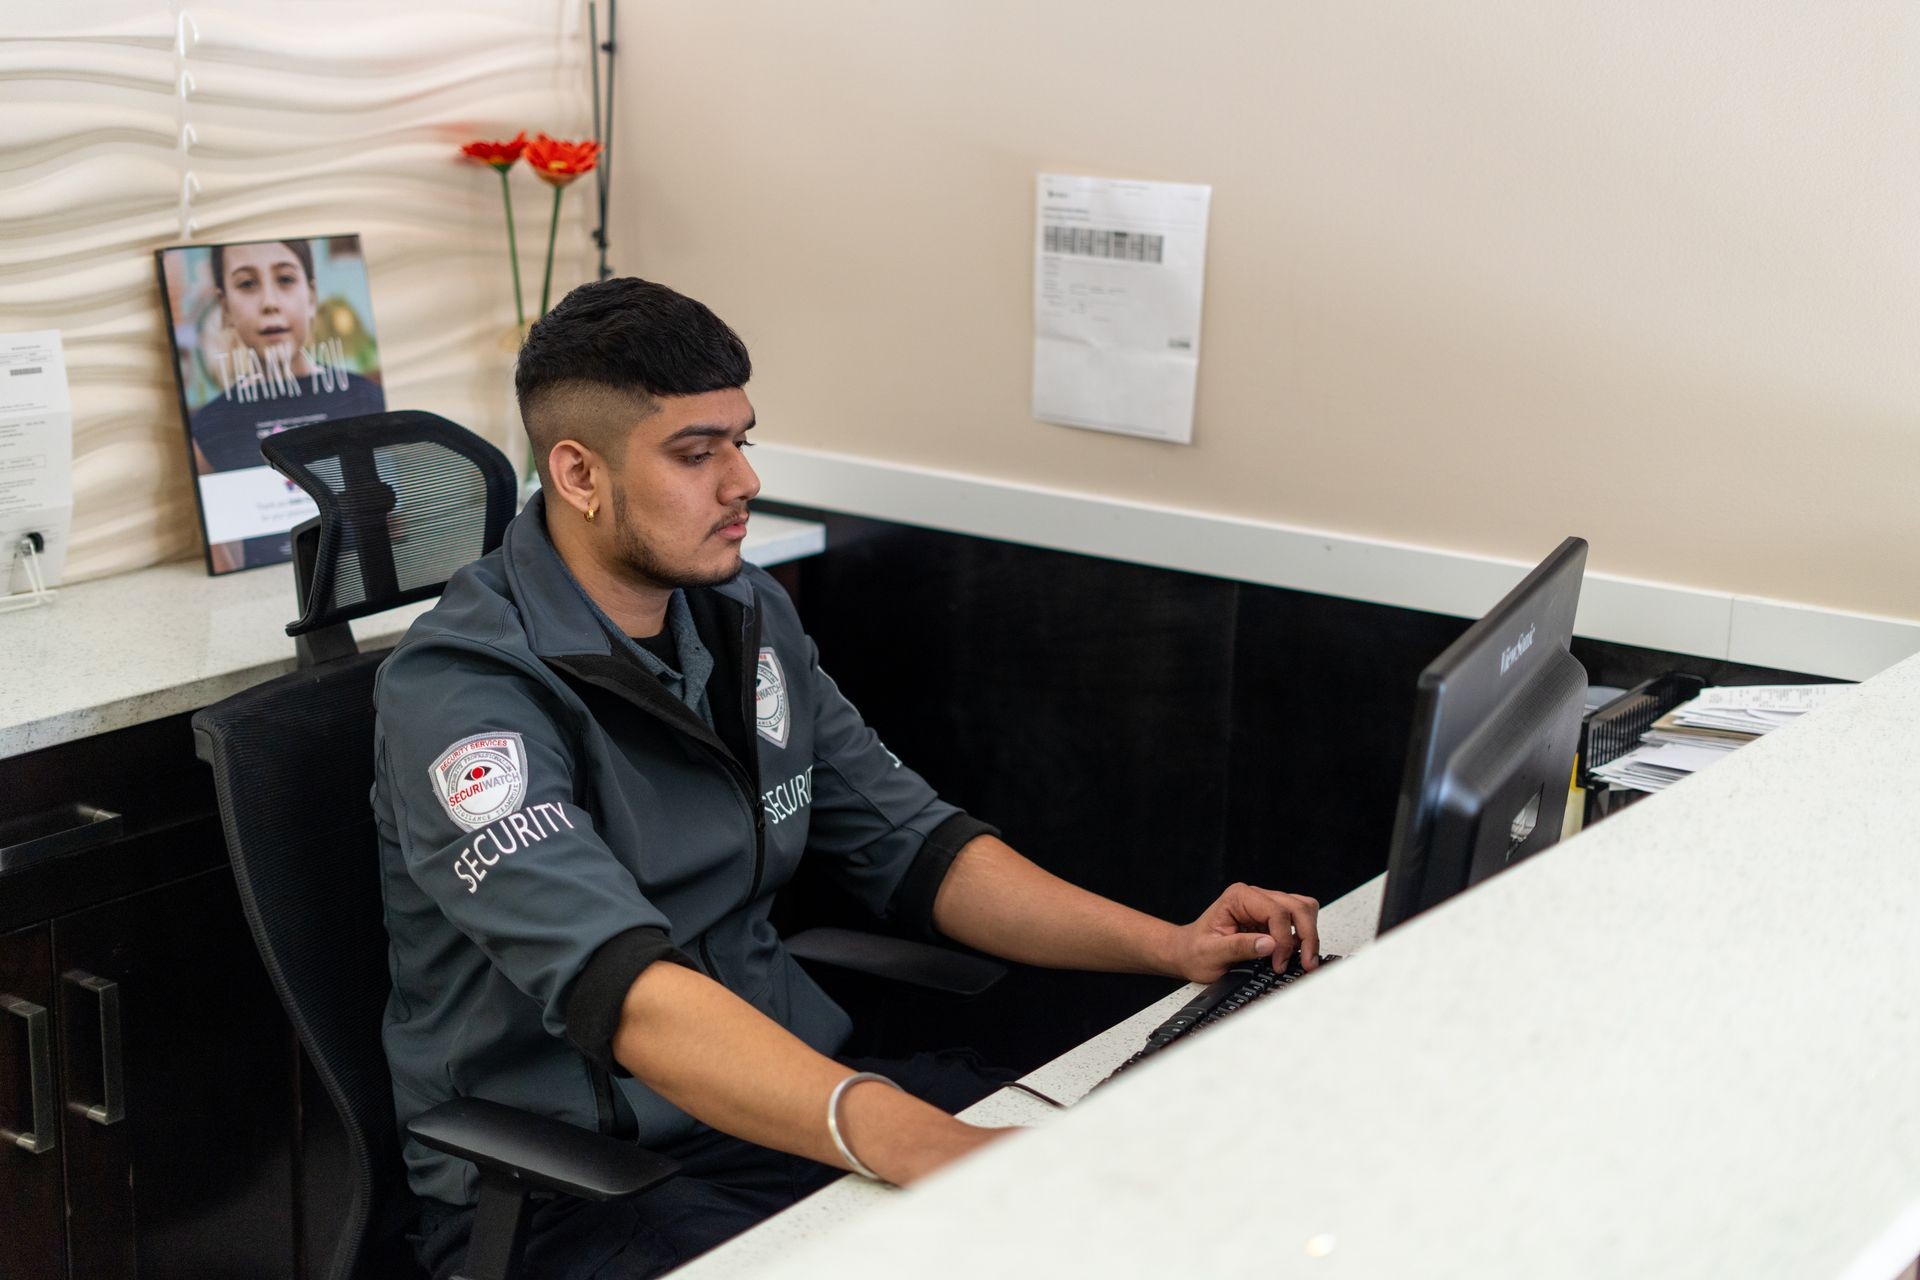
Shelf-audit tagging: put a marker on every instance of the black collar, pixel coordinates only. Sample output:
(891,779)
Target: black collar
(558,616)
(575,637)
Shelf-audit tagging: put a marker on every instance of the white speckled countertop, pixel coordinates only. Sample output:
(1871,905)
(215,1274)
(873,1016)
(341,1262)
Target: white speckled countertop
(1682,1044)
(125,650)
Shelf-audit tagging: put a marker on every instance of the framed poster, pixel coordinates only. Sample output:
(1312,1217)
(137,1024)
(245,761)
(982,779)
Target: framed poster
(267,335)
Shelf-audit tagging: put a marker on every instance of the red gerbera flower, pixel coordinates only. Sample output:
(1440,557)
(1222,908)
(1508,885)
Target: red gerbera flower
(560,162)
(500,155)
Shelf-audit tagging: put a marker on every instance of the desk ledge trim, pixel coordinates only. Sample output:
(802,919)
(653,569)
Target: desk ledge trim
(1655,615)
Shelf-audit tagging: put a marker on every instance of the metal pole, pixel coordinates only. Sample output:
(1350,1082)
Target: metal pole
(606,153)
(599,173)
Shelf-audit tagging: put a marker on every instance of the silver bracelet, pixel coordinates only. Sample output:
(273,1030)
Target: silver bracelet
(854,1162)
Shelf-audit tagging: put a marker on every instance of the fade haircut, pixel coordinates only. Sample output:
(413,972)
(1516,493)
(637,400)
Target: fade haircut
(600,361)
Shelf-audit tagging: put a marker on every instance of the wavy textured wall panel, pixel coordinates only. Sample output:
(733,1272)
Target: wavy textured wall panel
(126,127)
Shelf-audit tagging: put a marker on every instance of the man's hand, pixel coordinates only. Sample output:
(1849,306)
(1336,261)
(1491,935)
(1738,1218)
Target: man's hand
(1245,923)
(896,1138)
(996,900)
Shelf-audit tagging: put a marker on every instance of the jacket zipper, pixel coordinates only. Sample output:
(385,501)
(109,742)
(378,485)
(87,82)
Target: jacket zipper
(754,812)
(749,647)
(750,655)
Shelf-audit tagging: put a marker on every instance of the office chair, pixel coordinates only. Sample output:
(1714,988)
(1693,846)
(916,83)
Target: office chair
(404,500)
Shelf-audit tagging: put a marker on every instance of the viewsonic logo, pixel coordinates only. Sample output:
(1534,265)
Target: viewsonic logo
(1509,656)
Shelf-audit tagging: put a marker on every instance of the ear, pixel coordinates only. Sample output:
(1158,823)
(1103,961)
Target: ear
(577,476)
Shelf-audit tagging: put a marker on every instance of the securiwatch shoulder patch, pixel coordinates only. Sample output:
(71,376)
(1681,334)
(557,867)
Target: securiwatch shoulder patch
(773,712)
(481,779)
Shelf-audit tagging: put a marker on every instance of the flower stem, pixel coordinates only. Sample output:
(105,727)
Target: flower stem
(553,230)
(513,250)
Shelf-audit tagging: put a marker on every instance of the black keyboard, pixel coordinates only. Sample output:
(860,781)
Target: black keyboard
(1239,987)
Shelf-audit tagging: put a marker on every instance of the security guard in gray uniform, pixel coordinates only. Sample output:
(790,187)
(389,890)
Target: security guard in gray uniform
(602,754)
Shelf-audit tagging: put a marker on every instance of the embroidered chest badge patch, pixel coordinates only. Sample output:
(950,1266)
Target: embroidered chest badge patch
(772,711)
(481,779)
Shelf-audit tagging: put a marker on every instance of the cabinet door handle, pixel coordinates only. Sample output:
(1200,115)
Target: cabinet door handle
(41,1138)
(63,829)
(112,1108)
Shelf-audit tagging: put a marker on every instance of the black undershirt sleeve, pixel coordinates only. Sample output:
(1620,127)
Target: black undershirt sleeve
(599,993)
(911,907)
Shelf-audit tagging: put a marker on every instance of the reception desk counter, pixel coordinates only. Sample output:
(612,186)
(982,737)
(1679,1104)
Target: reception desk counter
(1682,1043)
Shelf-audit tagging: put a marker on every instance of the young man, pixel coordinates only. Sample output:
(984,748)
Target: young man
(600,756)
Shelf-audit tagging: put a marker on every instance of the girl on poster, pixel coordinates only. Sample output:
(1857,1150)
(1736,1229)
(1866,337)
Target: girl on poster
(272,374)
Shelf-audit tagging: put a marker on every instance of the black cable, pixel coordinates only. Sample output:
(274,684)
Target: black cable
(1027,1088)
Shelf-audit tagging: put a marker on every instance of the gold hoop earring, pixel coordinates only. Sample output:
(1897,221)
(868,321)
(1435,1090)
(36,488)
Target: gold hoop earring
(591,508)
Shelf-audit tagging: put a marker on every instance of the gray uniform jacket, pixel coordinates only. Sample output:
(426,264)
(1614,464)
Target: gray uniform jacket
(552,821)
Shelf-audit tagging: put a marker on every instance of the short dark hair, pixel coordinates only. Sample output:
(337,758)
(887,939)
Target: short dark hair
(606,354)
(302,250)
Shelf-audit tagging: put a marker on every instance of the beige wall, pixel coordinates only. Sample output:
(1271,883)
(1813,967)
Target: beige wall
(1666,255)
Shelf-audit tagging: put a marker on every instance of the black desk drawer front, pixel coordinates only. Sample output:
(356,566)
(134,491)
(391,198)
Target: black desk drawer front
(147,773)
(70,827)
(87,821)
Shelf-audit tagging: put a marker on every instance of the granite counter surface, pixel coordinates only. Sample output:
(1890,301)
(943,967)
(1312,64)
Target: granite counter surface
(125,650)
(1680,1044)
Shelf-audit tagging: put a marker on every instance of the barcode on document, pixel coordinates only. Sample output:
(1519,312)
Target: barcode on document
(1123,246)
(17,373)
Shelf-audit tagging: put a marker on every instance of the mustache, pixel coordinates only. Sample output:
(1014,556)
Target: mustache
(735,518)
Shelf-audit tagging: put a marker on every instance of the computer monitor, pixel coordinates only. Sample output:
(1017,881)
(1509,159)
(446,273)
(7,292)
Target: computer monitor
(1496,725)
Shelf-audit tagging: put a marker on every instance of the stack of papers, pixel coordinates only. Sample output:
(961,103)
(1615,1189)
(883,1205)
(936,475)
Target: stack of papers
(1655,766)
(1697,733)
(1753,709)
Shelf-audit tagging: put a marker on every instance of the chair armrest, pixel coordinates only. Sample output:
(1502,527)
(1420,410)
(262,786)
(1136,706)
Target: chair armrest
(901,959)
(543,1153)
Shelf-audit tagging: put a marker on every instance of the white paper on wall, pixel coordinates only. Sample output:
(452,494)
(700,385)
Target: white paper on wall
(1117,273)
(36,454)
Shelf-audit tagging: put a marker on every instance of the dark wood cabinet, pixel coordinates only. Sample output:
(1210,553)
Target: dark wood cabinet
(148,1086)
(31,1188)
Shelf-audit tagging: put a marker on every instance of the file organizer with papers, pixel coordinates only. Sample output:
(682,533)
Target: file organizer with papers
(1611,731)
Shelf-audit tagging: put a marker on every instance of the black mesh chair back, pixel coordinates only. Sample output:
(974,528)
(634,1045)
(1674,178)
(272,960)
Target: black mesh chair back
(293,764)
(405,499)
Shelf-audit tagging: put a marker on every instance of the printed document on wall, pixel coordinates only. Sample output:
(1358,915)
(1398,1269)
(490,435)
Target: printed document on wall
(36,454)
(1117,270)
